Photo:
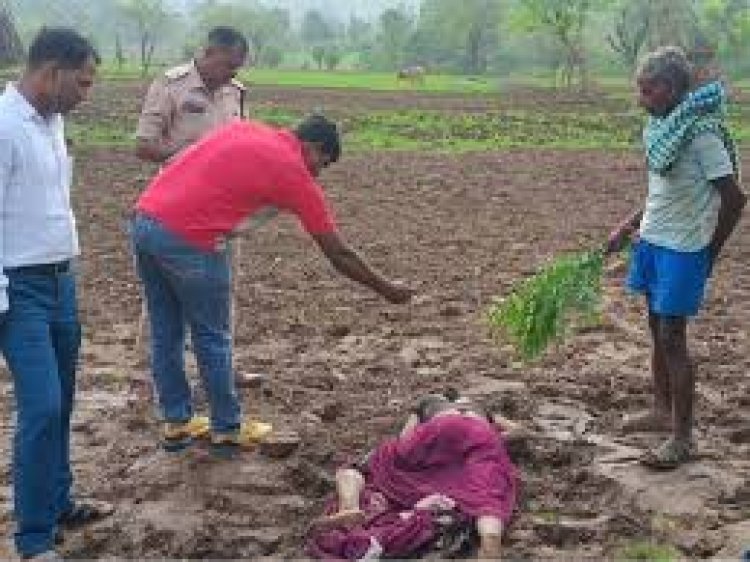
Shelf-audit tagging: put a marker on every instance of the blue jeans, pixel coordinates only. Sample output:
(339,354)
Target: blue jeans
(184,284)
(40,337)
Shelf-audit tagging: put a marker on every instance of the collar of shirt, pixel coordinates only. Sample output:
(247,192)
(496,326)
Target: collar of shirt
(195,82)
(25,109)
(194,79)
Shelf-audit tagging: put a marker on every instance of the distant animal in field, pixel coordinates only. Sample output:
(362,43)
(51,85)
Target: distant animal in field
(414,75)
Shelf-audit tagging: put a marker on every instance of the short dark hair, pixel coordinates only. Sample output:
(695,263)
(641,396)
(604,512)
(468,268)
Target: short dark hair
(227,38)
(63,46)
(319,129)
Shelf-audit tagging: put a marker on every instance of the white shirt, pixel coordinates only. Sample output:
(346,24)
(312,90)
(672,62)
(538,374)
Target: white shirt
(682,208)
(36,220)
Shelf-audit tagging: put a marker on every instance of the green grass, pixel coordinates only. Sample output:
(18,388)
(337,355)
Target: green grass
(457,132)
(647,552)
(382,81)
(443,131)
(109,70)
(620,84)
(89,134)
(351,79)
(432,130)
(120,132)
(569,126)
(491,130)
(548,516)
(276,115)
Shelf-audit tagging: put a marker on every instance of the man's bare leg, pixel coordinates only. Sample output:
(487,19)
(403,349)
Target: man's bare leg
(673,341)
(490,531)
(349,486)
(659,418)
(661,375)
(682,374)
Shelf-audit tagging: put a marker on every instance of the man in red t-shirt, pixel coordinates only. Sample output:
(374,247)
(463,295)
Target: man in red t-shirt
(180,225)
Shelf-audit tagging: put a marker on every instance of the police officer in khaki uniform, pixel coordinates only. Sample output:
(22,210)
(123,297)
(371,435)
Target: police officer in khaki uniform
(190,100)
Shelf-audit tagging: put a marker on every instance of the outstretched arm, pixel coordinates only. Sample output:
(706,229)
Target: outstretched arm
(350,264)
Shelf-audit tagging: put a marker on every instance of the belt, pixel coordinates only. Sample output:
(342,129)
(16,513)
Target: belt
(50,269)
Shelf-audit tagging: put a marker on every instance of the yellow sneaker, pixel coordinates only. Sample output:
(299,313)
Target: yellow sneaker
(252,431)
(199,427)
(227,445)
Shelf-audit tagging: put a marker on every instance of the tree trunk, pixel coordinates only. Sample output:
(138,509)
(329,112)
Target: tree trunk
(568,60)
(150,54)
(474,50)
(119,54)
(258,44)
(144,43)
(583,74)
(147,51)
(11,50)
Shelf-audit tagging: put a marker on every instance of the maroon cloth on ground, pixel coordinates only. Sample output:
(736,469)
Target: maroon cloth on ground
(461,457)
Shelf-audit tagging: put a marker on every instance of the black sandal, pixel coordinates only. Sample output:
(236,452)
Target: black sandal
(669,455)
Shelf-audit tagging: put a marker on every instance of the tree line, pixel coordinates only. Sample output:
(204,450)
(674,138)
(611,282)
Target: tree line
(568,37)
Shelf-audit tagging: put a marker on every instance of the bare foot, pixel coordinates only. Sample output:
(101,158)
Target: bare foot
(489,548)
(647,421)
(348,518)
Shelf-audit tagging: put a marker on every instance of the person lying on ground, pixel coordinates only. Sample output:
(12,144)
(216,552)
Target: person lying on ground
(694,203)
(445,483)
(178,233)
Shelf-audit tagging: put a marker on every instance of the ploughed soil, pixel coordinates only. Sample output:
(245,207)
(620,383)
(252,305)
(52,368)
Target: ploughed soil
(343,366)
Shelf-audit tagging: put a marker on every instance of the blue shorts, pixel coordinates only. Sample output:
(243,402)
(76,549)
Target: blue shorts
(674,282)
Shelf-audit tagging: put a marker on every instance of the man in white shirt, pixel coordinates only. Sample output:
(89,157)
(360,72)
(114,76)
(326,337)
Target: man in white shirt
(40,333)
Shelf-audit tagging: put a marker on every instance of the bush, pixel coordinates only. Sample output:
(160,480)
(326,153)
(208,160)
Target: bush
(272,56)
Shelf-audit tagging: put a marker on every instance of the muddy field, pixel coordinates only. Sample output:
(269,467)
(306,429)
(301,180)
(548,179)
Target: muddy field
(344,366)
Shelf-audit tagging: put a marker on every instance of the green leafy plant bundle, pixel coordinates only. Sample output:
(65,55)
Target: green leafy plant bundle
(540,310)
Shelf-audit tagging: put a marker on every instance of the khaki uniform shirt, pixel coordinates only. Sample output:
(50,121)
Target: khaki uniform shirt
(179,109)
